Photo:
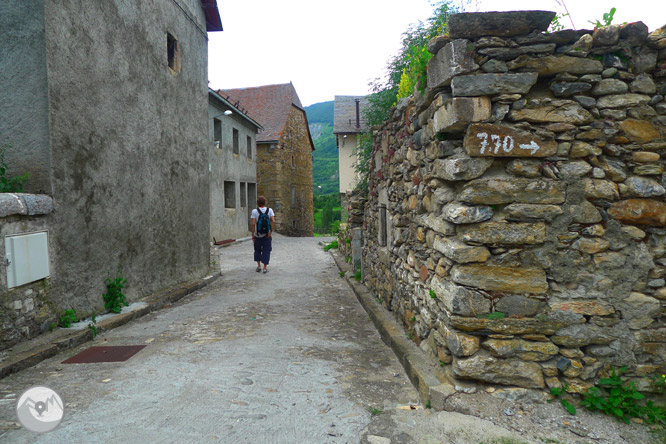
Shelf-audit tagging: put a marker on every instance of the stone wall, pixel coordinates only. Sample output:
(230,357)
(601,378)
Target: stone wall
(25,311)
(284,176)
(516,222)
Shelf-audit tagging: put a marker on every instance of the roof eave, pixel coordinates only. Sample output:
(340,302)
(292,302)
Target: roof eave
(212,13)
(233,108)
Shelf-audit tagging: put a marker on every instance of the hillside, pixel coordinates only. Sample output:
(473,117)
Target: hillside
(325,172)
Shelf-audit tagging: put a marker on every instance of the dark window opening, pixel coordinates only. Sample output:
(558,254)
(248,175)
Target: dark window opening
(217,133)
(173,53)
(243,195)
(229,195)
(236,147)
(249,147)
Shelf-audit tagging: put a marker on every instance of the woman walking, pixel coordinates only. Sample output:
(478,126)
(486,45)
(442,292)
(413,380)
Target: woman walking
(263,221)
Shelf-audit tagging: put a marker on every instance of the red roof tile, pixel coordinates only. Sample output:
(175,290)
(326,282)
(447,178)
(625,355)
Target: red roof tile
(269,105)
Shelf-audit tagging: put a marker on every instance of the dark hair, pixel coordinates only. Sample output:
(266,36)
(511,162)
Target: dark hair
(261,201)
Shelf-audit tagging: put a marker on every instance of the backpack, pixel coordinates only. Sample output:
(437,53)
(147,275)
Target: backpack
(263,222)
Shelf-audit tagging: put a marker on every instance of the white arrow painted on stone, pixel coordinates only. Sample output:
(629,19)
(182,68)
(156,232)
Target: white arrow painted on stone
(531,146)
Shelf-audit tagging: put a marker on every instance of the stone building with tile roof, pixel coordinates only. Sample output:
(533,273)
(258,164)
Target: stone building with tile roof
(284,153)
(348,123)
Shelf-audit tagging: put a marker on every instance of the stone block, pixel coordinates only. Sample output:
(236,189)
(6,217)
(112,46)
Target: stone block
(438,224)
(455,58)
(525,350)
(460,167)
(475,85)
(460,252)
(498,24)
(459,112)
(501,141)
(551,65)
(513,304)
(510,190)
(497,278)
(583,307)
(622,101)
(532,211)
(460,344)
(639,212)
(600,189)
(564,111)
(504,233)
(510,326)
(581,335)
(503,371)
(463,214)
(643,187)
(640,131)
(459,300)
(11,204)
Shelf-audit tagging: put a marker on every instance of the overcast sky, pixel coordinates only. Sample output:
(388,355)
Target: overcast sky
(336,47)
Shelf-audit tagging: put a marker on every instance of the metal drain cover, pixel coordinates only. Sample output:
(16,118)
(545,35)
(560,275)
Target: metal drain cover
(116,353)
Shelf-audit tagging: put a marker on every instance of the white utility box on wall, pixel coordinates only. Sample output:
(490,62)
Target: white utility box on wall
(27,258)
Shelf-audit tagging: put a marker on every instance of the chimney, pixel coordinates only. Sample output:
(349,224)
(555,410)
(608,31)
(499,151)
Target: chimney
(358,113)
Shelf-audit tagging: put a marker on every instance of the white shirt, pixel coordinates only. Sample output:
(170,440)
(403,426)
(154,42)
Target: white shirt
(255,215)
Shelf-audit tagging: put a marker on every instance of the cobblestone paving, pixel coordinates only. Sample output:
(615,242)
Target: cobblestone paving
(284,357)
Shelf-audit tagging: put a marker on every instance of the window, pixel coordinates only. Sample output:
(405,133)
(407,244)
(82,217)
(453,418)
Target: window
(217,133)
(236,148)
(382,226)
(293,224)
(243,196)
(173,53)
(293,195)
(292,162)
(229,194)
(249,147)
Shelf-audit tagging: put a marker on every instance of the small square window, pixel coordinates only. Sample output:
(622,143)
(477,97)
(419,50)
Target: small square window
(173,53)
(236,147)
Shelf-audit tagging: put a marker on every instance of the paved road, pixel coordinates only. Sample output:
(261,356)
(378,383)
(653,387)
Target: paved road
(284,357)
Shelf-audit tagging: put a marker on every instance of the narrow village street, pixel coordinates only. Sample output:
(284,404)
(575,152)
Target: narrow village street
(284,357)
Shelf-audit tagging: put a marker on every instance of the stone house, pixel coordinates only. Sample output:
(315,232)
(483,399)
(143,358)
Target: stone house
(516,214)
(233,168)
(105,105)
(348,124)
(284,154)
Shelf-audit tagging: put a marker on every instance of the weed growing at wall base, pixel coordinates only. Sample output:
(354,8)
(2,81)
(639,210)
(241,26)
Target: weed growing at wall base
(68,318)
(114,299)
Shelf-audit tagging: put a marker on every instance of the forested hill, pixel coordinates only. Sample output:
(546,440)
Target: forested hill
(325,172)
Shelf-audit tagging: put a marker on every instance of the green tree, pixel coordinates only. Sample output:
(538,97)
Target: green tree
(326,218)
(405,71)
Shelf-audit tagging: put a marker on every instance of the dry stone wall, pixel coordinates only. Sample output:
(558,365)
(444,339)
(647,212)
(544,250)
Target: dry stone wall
(516,221)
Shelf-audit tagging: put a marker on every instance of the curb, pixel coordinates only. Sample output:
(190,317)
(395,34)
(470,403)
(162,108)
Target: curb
(33,352)
(428,380)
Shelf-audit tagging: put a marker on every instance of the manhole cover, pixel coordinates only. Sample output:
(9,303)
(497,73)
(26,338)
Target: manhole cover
(116,353)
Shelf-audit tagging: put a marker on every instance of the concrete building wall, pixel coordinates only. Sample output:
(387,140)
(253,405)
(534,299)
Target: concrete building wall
(129,173)
(347,144)
(23,93)
(225,166)
(126,143)
(284,174)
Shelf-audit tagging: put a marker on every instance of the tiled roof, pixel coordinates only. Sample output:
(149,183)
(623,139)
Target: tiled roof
(344,114)
(269,105)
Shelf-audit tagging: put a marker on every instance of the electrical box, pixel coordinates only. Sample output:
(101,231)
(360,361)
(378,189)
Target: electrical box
(27,258)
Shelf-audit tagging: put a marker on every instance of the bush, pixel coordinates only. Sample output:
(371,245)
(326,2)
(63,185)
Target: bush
(9,184)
